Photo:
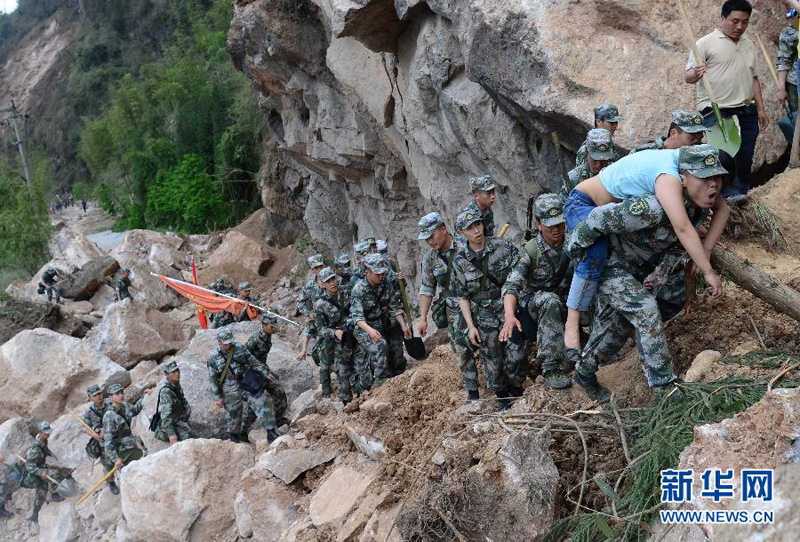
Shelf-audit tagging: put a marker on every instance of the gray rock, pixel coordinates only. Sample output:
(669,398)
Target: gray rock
(288,464)
(366,444)
(83,283)
(329,504)
(15,439)
(302,406)
(58,522)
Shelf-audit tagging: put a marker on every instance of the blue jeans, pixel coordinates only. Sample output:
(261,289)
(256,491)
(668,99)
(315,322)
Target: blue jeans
(590,269)
(748,123)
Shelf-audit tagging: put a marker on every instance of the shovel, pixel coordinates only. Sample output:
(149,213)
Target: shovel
(66,487)
(414,346)
(725,134)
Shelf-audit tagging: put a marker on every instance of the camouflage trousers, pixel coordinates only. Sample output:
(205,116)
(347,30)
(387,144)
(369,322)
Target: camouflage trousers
(232,401)
(384,359)
(548,313)
(624,304)
(7,485)
(323,351)
(55,291)
(42,486)
(465,354)
(258,405)
(500,360)
(336,356)
(183,429)
(278,396)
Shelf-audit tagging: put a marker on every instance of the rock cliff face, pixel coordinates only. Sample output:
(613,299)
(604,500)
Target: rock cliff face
(381,109)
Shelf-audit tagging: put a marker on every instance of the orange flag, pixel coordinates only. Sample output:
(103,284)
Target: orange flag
(209,300)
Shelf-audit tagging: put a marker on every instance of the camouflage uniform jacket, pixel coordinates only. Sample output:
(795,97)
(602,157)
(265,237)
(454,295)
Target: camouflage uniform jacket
(553,273)
(122,287)
(434,273)
(259,345)
(241,361)
(173,407)
(483,292)
(94,416)
(640,234)
(787,53)
(575,177)
(357,275)
(332,312)
(580,156)
(310,292)
(242,316)
(658,144)
(376,305)
(117,428)
(35,460)
(50,277)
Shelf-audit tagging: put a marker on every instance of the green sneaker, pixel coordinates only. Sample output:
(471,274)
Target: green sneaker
(666,392)
(557,380)
(593,389)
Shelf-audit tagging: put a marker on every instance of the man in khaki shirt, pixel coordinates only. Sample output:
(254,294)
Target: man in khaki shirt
(729,62)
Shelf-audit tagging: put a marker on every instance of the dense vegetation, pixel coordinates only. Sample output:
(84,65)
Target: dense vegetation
(147,113)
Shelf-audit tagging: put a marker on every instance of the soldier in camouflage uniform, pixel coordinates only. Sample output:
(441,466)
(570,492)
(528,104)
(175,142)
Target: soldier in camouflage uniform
(786,66)
(483,197)
(222,318)
(243,292)
(310,292)
(8,485)
(173,408)
(685,129)
(641,237)
(479,271)
(225,370)
(122,285)
(606,116)
(538,283)
(50,281)
(259,344)
(361,249)
(377,312)
(36,469)
(93,417)
(342,267)
(332,312)
(118,442)
(600,152)
(437,271)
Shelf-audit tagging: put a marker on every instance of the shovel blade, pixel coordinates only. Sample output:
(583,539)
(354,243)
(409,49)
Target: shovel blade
(725,136)
(67,488)
(415,348)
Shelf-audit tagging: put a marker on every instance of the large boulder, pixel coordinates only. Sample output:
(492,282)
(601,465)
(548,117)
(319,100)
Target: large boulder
(44,372)
(249,253)
(58,522)
(185,492)
(15,438)
(83,283)
(72,250)
(131,331)
(68,440)
(264,507)
(329,504)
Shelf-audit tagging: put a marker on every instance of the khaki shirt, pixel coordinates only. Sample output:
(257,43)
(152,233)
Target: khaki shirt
(731,69)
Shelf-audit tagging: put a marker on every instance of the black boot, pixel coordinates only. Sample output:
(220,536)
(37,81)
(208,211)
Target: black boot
(502,401)
(473,395)
(35,516)
(515,392)
(112,487)
(271,435)
(5,513)
(234,437)
(244,438)
(55,497)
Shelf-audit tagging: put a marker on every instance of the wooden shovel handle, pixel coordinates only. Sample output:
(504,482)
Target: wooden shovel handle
(693,45)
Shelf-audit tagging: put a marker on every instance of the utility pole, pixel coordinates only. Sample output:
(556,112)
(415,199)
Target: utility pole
(19,144)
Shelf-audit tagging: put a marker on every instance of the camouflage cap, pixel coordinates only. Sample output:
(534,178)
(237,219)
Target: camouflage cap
(225,336)
(361,248)
(429,224)
(50,268)
(171,367)
(377,263)
(342,260)
(549,209)
(326,274)
(465,218)
(701,161)
(607,112)
(45,428)
(246,286)
(114,388)
(369,240)
(599,145)
(315,261)
(126,271)
(688,121)
(484,183)
(383,246)
(93,390)
(269,319)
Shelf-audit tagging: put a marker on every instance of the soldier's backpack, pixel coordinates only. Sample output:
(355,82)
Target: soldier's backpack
(253,381)
(94,449)
(156,419)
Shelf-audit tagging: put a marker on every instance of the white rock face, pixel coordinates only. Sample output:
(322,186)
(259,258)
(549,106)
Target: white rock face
(68,440)
(15,439)
(58,522)
(44,371)
(185,492)
(288,464)
(331,502)
(264,507)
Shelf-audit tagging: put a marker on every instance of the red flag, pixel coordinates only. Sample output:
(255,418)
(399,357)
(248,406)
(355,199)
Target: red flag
(201,313)
(210,301)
